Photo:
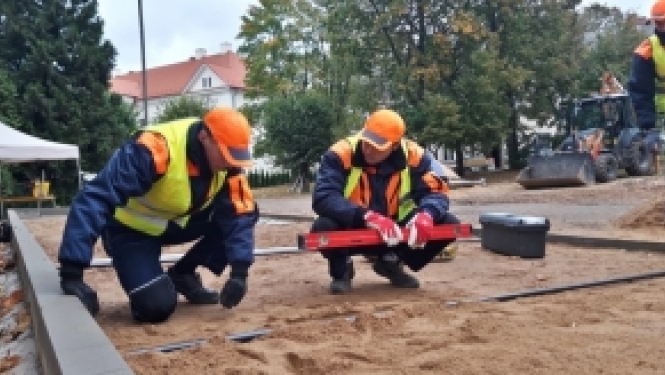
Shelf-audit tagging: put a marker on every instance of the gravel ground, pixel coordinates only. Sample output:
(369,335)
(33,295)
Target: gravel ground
(17,345)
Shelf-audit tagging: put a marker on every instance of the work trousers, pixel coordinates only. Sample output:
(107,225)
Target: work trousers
(135,255)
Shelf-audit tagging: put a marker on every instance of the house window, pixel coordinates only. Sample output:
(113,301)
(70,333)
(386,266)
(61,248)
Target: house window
(206,82)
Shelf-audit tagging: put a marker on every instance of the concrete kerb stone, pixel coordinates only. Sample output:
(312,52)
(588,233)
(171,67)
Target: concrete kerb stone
(31,213)
(69,341)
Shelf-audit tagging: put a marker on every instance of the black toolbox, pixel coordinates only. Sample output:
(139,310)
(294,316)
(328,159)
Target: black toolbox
(514,235)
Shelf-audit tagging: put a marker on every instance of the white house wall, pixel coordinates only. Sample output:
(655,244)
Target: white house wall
(225,97)
(204,80)
(207,84)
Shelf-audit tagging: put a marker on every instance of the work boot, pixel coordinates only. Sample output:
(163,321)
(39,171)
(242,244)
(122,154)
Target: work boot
(447,254)
(343,285)
(190,286)
(393,270)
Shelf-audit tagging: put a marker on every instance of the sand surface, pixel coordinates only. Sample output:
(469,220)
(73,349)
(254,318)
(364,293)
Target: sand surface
(377,329)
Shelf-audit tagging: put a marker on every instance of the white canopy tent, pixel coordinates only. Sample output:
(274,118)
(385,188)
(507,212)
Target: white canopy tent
(18,147)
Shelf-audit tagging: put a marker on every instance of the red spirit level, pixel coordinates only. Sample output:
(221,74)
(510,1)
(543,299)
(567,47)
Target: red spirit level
(368,237)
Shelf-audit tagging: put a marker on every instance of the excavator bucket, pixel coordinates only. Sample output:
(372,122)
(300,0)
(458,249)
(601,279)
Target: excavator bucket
(558,170)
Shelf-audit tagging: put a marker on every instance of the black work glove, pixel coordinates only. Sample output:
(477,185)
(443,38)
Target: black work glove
(71,282)
(233,292)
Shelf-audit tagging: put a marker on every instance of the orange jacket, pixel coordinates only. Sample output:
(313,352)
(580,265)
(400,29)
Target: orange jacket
(642,85)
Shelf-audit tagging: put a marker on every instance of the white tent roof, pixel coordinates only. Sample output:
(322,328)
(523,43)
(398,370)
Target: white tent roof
(17,147)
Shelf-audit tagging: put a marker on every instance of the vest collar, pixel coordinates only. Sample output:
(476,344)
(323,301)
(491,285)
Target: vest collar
(195,152)
(661,36)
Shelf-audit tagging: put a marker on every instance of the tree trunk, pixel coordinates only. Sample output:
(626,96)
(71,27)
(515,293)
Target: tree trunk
(497,155)
(459,159)
(422,37)
(513,141)
(304,175)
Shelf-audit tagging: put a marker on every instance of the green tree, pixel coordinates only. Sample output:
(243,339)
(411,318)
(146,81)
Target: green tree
(8,103)
(292,46)
(436,63)
(283,45)
(540,41)
(296,130)
(184,106)
(462,73)
(60,65)
(9,117)
(121,118)
(611,37)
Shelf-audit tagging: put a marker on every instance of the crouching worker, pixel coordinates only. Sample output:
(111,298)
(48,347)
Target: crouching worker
(380,180)
(169,184)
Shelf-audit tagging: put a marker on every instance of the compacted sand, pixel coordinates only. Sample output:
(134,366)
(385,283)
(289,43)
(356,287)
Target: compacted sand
(377,329)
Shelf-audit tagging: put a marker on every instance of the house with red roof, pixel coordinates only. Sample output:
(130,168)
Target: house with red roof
(217,78)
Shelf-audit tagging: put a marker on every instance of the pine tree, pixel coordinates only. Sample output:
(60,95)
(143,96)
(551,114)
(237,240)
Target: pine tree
(9,117)
(60,65)
(8,111)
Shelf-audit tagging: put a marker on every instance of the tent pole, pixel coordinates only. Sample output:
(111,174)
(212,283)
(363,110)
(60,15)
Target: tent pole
(78,169)
(41,195)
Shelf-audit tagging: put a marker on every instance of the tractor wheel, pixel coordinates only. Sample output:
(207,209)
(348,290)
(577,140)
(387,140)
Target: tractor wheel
(606,168)
(638,159)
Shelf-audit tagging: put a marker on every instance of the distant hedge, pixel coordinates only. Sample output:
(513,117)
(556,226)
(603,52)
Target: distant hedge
(259,179)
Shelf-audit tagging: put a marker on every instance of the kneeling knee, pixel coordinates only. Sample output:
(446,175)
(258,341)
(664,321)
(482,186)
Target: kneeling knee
(155,301)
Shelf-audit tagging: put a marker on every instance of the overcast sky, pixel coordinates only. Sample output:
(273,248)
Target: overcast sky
(174,28)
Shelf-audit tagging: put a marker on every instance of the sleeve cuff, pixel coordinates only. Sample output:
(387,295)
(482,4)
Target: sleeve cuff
(71,270)
(433,213)
(359,217)
(240,270)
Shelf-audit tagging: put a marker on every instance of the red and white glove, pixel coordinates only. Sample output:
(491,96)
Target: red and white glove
(388,229)
(420,230)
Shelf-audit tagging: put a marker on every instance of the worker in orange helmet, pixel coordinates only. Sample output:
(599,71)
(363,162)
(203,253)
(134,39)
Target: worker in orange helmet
(378,179)
(171,183)
(646,84)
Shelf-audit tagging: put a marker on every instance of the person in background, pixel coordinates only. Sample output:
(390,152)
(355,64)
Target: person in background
(646,84)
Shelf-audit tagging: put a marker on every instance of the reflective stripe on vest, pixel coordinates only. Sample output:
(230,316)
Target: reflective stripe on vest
(658,54)
(406,204)
(170,198)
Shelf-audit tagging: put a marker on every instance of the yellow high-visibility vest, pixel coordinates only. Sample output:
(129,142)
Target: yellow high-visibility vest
(658,54)
(170,198)
(406,204)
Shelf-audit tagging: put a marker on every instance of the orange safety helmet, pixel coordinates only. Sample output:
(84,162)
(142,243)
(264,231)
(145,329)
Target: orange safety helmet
(232,132)
(658,10)
(383,128)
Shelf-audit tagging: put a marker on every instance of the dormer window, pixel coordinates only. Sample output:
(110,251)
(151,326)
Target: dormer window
(206,82)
